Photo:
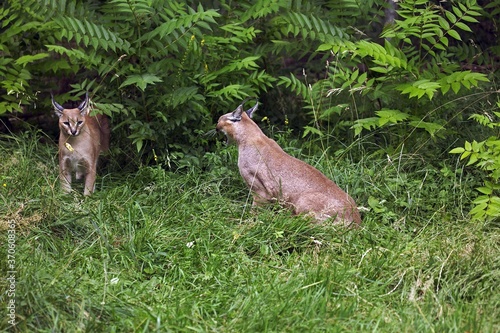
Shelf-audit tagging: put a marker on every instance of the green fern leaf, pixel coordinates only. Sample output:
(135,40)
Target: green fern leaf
(294,84)
(141,81)
(313,130)
(391,116)
(420,88)
(365,123)
(24,60)
(90,34)
(431,128)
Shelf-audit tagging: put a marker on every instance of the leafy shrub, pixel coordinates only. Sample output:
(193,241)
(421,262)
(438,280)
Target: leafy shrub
(485,156)
(413,61)
(165,71)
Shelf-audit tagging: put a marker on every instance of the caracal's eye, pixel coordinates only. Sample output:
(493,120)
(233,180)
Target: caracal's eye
(79,122)
(66,123)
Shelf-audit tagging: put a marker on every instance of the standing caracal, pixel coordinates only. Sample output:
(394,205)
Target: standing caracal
(81,139)
(273,175)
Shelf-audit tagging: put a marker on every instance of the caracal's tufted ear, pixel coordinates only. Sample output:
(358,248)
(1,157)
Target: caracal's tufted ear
(250,111)
(236,115)
(84,106)
(57,107)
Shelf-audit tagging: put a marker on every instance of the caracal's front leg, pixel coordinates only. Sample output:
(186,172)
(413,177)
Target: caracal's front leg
(65,179)
(90,180)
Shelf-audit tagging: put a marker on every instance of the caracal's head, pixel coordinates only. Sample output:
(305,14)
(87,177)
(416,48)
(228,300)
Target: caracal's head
(233,124)
(71,121)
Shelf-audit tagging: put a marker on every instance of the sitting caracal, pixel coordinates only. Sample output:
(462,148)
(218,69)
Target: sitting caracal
(81,139)
(271,174)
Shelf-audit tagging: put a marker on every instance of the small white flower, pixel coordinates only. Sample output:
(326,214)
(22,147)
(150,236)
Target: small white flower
(315,241)
(114,280)
(190,244)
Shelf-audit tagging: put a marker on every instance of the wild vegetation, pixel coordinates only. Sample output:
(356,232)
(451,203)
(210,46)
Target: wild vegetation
(402,113)
(180,251)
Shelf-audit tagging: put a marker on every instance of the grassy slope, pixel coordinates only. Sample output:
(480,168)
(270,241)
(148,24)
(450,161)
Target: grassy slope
(178,252)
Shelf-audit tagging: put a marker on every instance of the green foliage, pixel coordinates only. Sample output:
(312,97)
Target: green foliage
(413,61)
(431,25)
(308,27)
(340,73)
(158,68)
(423,35)
(181,251)
(156,250)
(295,85)
(88,34)
(164,71)
(485,156)
(14,73)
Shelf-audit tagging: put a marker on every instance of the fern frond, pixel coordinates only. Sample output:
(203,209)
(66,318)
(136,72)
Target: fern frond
(122,10)
(419,88)
(71,53)
(90,34)
(236,65)
(199,17)
(456,80)
(295,85)
(231,92)
(262,8)
(110,109)
(182,96)
(308,27)
(348,12)
(365,123)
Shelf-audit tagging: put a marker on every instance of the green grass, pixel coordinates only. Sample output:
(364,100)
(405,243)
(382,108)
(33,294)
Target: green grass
(155,250)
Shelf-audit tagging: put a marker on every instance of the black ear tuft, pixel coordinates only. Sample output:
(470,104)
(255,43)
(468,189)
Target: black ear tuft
(57,107)
(239,111)
(85,104)
(250,111)
(236,115)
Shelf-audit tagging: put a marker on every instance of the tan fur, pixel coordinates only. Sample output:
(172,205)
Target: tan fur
(81,139)
(273,175)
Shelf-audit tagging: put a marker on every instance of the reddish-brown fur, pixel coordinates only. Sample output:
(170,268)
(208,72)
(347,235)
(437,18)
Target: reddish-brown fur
(273,175)
(81,139)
